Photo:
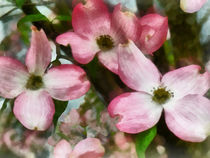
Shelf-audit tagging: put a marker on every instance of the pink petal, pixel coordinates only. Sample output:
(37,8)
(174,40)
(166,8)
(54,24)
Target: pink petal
(109,60)
(83,49)
(153,32)
(91,17)
(39,54)
(191,6)
(62,149)
(135,70)
(186,80)
(189,118)
(66,82)
(34,109)
(13,77)
(88,148)
(122,141)
(137,112)
(125,22)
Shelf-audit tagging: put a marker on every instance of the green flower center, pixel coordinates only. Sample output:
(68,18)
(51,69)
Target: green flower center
(34,82)
(105,42)
(161,95)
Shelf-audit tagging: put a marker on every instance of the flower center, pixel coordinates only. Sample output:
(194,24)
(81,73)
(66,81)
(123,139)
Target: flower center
(34,82)
(161,95)
(105,42)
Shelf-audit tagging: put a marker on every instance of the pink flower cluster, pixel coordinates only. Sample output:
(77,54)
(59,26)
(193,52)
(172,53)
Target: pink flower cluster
(118,38)
(97,31)
(87,148)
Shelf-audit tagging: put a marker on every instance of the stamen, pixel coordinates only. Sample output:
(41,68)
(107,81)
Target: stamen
(161,95)
(105,42)
(149,35)
(34,82)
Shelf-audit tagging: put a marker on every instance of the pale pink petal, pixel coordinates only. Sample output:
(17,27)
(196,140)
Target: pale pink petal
(122,141)
(186,80)
(153,32)
(34,109)
(135,70)
(88,148)
(189,118)
(125,23)
(83,49)
(38,56)
(72,118)
(66,82)
(136,111)
(13,77)
(191,6)
(91,17)
(109,60)
(62,149)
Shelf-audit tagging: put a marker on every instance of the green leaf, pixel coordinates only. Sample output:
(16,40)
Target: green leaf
(24,28)
(60,107)
(19,3)
(4,105)
(63,18)
(143,140)
(31,18)
(169,52)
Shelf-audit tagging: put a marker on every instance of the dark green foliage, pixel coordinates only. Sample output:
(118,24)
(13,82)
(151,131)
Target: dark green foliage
(19,3)
(23,26)
(60,107)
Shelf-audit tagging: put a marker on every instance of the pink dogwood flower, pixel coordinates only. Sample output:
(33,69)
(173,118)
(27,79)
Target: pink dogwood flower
(191,6)
(179,93)
(87,148)
(34,84)
(96,31)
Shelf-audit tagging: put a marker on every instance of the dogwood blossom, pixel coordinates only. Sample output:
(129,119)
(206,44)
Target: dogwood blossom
(191,6)
(87,148)
(179,93)
(97,31)
(34,84)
